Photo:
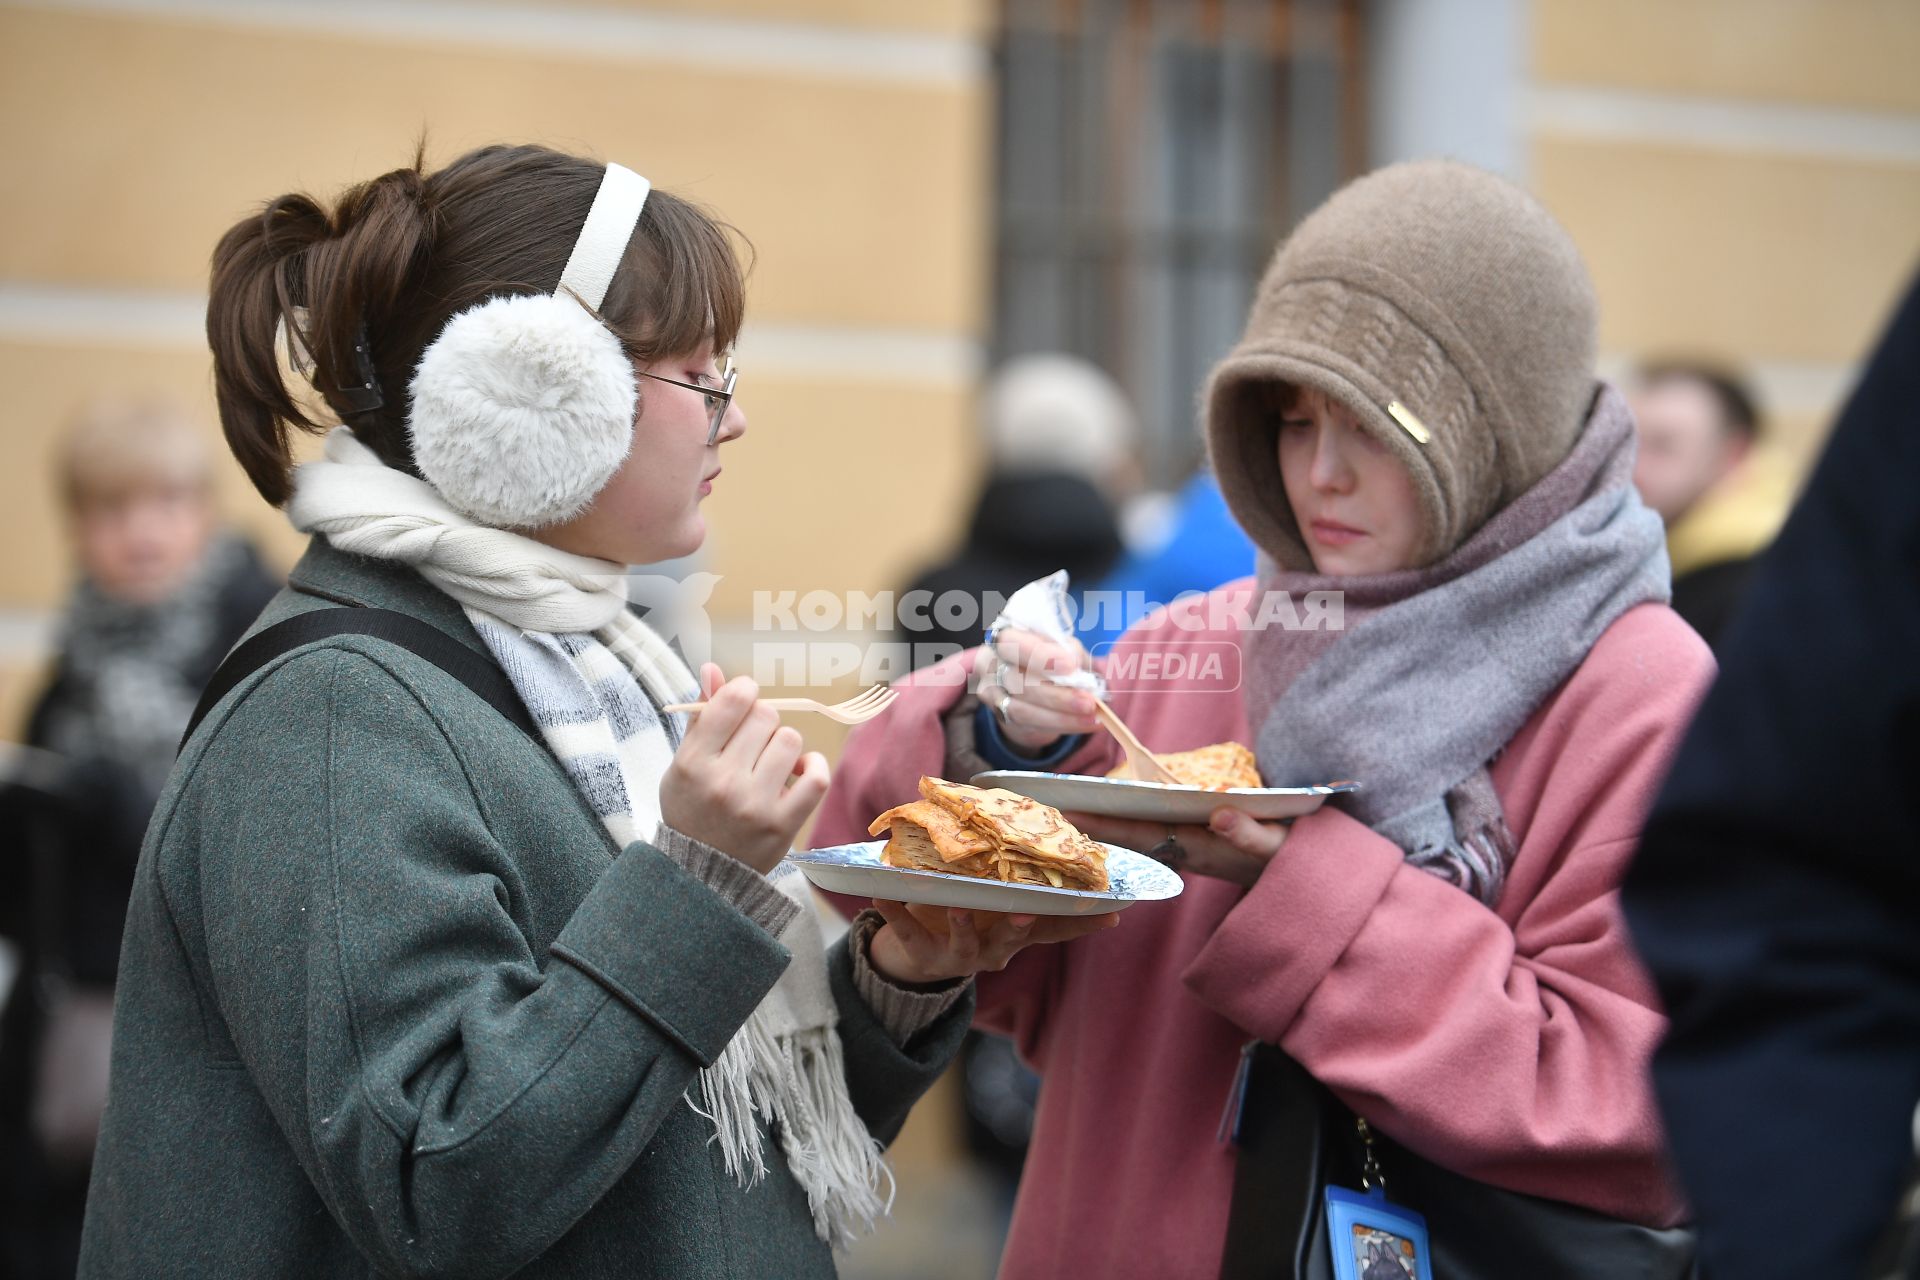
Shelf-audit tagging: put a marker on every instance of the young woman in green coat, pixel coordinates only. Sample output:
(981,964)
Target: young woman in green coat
(410,988)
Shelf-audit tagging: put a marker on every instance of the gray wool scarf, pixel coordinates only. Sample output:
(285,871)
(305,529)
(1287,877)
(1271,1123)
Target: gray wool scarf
(1437,668)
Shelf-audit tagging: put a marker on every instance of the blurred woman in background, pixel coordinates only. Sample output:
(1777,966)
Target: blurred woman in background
(162,594)
(1062,457)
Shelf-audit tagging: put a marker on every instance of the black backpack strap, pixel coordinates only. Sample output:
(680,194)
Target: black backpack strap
(487,681)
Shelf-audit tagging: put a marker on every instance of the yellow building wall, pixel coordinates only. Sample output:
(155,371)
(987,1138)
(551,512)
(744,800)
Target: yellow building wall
(1847,53)
(966,18)
(135,139)
(1743,177)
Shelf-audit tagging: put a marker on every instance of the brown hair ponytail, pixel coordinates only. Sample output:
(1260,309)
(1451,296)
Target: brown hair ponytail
(398,256)
(318,277)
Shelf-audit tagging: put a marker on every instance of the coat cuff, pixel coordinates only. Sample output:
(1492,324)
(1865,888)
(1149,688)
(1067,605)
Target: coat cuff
(994,747)
(975,743)
(903,1012)
(751,893)
(959,725)
(668,947)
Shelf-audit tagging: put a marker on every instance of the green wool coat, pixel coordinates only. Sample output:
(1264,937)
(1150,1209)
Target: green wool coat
(392,1003)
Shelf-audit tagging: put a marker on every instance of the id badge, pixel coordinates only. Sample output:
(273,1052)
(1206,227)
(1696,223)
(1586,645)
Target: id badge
(1373,1239)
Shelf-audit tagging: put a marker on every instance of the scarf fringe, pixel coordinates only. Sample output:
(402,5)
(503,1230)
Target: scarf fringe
(793,1082)
(1475,864)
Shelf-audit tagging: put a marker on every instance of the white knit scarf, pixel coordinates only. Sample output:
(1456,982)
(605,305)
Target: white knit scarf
(593,676)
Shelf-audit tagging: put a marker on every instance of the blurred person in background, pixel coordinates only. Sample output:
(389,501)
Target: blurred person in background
(162,594)
(1700,467)
(1776,891)
(1061,443)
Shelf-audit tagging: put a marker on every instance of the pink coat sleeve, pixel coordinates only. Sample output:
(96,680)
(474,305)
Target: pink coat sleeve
(1509,1045)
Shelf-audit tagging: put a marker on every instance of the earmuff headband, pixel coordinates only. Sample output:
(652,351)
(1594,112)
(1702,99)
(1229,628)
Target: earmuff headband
(522,409)
(603,237)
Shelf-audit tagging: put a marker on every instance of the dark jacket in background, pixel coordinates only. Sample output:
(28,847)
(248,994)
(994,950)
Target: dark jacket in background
(1023,527)
(1708,597)
(1776,896)
(392,1001)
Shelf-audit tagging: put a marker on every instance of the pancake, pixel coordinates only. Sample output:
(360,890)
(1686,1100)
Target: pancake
(1217,768)
(926,837)
(992,834)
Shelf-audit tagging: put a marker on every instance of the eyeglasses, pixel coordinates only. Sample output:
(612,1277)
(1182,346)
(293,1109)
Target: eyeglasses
(718,398)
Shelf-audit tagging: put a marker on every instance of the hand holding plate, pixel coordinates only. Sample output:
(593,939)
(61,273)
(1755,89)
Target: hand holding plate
(1231,847)
(907,951)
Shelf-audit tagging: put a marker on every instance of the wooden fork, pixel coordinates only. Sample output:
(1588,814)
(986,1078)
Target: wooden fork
(1140,762)
(858,709)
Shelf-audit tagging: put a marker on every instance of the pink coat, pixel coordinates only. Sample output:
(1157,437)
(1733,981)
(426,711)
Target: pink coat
(1511,1044)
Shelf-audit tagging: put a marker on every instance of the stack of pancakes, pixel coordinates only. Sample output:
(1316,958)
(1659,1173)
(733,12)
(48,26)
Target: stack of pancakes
(1219,767)
(991,834)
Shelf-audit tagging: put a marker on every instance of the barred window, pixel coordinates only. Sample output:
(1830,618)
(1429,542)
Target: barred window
(1150,155)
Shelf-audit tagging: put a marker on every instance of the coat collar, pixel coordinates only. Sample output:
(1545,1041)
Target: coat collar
(344,578)
(348,579)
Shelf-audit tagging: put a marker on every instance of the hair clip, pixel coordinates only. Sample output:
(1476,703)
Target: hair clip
(1413,426)
(366,397)
(290,335)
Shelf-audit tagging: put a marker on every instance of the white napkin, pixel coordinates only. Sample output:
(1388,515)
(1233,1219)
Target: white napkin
(1042,607)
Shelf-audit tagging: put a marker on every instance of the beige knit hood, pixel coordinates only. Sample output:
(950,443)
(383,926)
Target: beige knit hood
(1434,287)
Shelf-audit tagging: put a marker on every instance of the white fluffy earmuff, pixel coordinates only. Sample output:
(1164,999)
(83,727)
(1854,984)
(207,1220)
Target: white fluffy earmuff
(522,409)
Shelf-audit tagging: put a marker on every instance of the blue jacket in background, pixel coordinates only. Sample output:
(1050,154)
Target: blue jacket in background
(1204,549)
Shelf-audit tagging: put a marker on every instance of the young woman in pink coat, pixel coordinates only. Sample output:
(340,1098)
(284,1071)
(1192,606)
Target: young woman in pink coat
(1411,421)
